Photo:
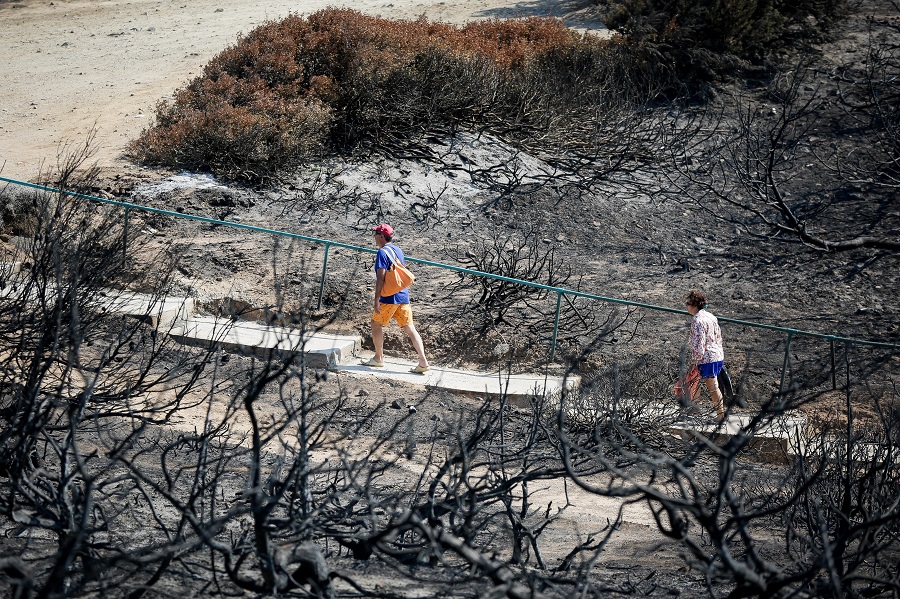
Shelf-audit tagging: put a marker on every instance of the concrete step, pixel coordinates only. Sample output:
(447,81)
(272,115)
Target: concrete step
(778,441)
(162,312)
(322,350)
(517,387)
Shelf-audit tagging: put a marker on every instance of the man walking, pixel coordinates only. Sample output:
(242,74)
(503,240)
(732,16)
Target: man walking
(392,306)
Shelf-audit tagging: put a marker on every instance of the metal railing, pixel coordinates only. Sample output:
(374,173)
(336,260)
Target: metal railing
(559,291)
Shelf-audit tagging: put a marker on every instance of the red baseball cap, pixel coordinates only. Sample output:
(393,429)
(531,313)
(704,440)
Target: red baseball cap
(384,229)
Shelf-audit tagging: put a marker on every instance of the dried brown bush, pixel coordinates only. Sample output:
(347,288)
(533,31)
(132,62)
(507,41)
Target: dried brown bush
(341,81)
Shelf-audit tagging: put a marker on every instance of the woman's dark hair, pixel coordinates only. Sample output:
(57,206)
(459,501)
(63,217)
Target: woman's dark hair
(695,298)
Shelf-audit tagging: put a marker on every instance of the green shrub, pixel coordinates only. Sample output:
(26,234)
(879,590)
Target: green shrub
(340,81)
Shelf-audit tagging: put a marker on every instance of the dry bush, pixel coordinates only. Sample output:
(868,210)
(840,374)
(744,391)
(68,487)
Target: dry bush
(517,323)
(17,213)
(341,81)
(765,163)
(822,523)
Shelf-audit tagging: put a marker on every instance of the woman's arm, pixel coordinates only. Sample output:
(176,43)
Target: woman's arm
(697,338)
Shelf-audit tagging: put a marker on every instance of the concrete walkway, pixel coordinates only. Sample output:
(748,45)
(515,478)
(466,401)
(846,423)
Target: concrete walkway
(458,380)
(775,441)
(343,354)
(320,349)
(339,353)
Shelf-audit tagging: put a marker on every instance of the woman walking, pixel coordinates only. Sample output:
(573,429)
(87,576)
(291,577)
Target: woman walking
(707,351)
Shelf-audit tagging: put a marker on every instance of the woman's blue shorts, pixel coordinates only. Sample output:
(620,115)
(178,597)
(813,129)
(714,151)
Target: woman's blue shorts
(711,370)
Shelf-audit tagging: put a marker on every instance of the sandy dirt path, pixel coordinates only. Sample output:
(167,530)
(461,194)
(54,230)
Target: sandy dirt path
(70,66)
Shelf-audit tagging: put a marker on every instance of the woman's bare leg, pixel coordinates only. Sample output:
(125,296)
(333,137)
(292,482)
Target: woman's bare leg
(712,384)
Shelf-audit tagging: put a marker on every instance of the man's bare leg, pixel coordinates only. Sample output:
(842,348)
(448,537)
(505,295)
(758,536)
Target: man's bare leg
(416,340)
(378,340)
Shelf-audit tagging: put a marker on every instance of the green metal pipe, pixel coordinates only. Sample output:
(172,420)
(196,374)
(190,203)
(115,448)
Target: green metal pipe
(833,368)
(559,297)
(784,365)
(125,236)
(322,280)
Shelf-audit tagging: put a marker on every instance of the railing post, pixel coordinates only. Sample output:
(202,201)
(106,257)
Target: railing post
(833,376)
(847,363)
(849,404)
(322,280)
(784,365)
(125,235)
(559,296)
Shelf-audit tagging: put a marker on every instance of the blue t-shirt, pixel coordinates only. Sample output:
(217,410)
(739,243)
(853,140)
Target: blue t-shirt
(383,260)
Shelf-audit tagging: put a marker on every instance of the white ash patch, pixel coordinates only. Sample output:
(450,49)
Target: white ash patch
(475,153)
(180,181)
(465,166)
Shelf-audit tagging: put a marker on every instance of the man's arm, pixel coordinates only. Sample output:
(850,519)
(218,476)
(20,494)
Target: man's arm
(379,283)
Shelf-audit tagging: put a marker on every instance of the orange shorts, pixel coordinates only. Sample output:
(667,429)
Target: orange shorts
(402,313)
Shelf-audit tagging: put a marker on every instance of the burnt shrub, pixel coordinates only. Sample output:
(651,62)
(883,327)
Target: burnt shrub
(699,40)
(17,213)
(340,81)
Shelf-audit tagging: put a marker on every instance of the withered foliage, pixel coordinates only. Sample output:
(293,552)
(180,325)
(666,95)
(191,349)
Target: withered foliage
(342,81)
